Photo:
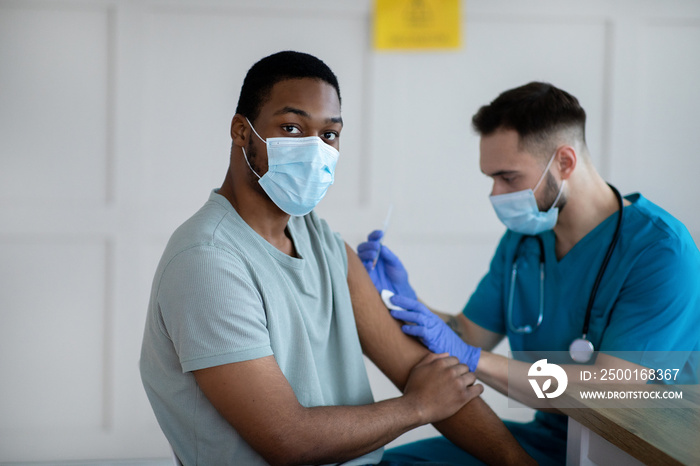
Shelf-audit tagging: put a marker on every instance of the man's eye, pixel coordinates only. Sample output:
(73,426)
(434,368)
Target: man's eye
(330,135)
(291,129)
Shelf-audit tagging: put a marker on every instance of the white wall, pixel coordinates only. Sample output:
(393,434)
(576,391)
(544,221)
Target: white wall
(114,121)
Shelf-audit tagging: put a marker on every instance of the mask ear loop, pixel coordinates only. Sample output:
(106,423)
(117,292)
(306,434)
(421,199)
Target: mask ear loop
(549,164)
(243,148)
(561,191)
(246,161)
(253,128)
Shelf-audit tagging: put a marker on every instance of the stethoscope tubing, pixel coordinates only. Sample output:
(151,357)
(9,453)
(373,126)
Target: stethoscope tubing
(526,329)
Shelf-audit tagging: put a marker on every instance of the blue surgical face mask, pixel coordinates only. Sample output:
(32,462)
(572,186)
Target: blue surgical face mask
(519,212)
(300,171)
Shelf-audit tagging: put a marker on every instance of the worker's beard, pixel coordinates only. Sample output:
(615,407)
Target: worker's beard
(551,191)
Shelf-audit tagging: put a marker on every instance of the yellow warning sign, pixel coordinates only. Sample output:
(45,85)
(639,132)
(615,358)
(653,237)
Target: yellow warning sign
(417,24)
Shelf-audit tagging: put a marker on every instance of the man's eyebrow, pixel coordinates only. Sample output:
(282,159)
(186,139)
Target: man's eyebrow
(304,114)
(501,173)
(294,110)
(338,120)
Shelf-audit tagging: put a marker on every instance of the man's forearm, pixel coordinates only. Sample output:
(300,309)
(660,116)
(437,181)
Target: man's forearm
(437,387)
(333,434)
(255,397)
(477,429)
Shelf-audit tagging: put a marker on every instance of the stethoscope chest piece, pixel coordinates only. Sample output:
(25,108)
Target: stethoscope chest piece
(581,350)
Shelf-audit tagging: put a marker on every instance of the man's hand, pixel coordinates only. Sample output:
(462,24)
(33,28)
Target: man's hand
(438,386)
(384,267)
(433,331)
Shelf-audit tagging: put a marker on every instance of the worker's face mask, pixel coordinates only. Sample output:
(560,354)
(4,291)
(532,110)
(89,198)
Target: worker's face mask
(300,171)
(519,212)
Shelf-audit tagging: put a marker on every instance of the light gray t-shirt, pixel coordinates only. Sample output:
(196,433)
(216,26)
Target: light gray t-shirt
(223,294)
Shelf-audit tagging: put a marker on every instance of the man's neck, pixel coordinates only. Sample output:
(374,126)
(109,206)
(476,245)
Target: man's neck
(265,218)
(588,205)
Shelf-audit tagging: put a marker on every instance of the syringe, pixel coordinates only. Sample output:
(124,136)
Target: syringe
(384,228)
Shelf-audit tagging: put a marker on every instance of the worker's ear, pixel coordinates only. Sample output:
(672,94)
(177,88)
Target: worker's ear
(566,159)
(240,130)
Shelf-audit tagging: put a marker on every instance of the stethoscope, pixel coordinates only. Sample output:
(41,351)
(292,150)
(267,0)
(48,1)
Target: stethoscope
(581,349)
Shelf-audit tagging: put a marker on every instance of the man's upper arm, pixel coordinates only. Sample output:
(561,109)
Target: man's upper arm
(475,427)
(381,337)
(211,310)
(254,397)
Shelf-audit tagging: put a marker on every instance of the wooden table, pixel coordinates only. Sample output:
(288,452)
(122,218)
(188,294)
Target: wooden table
(650,435)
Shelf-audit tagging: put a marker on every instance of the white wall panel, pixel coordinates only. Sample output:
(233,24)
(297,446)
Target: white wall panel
(54,76)
(52,309)
(666,166)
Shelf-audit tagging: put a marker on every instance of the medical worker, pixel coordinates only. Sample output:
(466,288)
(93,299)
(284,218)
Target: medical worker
(579,270)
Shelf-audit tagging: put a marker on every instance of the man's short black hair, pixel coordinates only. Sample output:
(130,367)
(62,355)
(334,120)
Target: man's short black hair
(277,67)
(536,111)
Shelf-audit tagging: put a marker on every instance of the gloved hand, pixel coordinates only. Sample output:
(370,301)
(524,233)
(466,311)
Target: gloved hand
(433,331)
(388,273)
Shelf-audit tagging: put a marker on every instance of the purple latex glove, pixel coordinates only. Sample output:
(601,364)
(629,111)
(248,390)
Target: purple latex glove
(433,331)
(388,273)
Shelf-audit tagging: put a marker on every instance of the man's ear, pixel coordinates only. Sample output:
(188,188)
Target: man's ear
(566,161)
(240,131)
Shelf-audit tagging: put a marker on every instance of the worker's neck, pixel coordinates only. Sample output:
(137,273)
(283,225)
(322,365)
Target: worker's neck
(590,201)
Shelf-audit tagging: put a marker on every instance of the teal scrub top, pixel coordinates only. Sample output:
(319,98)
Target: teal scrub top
(648,300)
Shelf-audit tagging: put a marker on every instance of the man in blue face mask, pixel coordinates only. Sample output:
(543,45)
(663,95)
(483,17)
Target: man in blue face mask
(579,270)
(252,353)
